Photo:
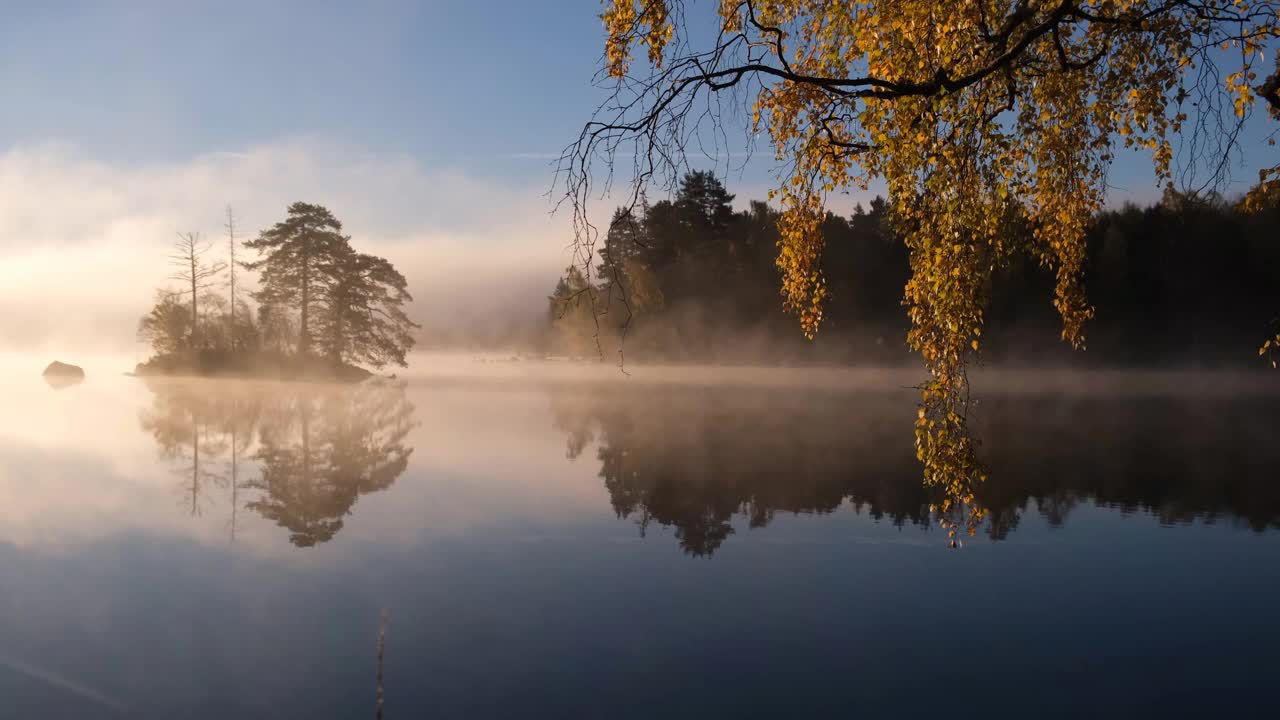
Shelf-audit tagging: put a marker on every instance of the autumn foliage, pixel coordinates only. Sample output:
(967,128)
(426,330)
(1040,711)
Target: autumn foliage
(978,115)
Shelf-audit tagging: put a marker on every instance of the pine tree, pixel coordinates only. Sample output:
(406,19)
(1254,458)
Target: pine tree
(361,314)
(704,205)
(299,260)
(571,309)
(623,241)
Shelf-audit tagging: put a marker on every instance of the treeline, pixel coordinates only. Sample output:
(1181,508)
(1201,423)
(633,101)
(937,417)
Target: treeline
(319,303)
(1187,280)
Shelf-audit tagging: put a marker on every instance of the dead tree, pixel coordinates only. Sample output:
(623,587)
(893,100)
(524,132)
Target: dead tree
(231,277)
(192,270)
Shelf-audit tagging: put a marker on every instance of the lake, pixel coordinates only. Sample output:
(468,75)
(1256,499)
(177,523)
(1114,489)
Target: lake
(673,543)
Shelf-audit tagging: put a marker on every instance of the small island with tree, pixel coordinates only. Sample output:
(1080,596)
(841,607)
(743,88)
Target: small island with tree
(322,310)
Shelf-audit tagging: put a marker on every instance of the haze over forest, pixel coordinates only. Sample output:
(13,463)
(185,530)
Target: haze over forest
(480,281)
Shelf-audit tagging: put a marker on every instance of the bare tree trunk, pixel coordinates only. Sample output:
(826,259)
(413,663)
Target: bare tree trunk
(304,337)
(231,269)
(335,347)
(195,315)
(188,257)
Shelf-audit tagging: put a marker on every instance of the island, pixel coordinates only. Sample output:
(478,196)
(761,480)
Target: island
(320,310)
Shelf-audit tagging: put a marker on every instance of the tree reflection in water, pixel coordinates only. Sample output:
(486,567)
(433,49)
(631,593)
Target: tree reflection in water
(697,460)
(298,455)
(693,459)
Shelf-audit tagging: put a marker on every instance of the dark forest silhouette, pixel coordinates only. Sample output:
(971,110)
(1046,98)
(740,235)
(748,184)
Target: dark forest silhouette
(298,455)
(1187,281)
(706,461)
(323,308)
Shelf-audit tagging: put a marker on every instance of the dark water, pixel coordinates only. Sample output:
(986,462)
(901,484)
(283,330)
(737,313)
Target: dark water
(632,549)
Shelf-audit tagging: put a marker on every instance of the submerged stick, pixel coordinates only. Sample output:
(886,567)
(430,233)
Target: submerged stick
(382,643)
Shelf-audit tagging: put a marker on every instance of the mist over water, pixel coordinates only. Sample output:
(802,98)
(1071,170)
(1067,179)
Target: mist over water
(543,525)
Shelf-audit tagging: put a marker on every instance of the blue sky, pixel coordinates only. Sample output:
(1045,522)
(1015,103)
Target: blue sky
(427,126)
(490,87)
(454,83)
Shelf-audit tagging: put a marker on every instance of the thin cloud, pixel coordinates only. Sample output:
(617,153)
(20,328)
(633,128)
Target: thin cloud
(531,156)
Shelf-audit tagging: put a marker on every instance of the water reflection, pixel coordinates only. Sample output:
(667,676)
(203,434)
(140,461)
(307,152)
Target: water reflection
(697,460)
(62,382)
(298,455)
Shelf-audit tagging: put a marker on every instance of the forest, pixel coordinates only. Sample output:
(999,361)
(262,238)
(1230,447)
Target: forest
(1190,281)
(323,309)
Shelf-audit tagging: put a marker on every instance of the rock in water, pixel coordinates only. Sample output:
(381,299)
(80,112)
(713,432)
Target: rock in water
(60,375)
(62,369)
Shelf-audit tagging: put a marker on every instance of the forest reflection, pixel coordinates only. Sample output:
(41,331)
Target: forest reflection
(298,455)
(701,461)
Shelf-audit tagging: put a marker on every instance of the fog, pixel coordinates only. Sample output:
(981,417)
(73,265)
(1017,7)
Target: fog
(86,245)
(85,242)
(489,431)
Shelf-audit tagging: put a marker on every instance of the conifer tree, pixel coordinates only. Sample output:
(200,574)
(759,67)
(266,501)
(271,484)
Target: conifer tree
(298,261)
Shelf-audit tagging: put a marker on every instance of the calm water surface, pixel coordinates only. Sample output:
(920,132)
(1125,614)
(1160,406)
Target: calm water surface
(634,548)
